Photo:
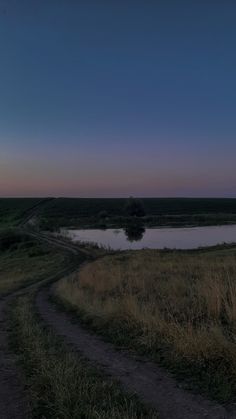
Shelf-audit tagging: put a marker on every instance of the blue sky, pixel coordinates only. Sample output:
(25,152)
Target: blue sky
(108,98)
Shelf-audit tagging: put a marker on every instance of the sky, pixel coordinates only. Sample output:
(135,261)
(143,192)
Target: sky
(108,98)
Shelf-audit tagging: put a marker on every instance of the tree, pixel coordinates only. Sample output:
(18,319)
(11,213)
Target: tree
(134,207)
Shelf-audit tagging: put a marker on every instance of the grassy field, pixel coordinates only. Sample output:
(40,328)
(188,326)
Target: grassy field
(82,212)
(63,385)
(24,261)
(177,307)
(13,209)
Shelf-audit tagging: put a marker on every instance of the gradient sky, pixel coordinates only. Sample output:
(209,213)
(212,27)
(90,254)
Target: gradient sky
(117,98)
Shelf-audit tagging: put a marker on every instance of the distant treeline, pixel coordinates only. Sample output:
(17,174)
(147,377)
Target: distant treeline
(104,213)
(153,206)
(120,212)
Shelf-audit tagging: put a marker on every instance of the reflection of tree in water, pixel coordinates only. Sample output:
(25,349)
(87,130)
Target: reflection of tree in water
(134,231)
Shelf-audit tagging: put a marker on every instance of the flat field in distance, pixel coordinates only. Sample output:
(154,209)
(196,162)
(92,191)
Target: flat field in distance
(102,213)
(13,209)
(177,307)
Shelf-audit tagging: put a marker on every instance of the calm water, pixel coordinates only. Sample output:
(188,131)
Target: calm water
(158,238)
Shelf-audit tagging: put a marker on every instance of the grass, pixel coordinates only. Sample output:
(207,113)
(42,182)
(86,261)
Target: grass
(24,261)
(62,384)
(13,209)
(178,308)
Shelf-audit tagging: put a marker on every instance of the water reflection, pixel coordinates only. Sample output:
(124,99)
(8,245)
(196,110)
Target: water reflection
(136,237)
(134,232)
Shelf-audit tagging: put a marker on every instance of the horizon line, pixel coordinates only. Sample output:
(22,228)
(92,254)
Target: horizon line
(115,197)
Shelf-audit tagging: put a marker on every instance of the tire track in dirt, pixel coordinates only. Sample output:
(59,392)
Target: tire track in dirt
(151,383)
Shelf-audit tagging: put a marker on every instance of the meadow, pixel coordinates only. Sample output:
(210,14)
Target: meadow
(178,308)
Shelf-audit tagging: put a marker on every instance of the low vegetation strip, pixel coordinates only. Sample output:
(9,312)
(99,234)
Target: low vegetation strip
(61,383)
(178,308)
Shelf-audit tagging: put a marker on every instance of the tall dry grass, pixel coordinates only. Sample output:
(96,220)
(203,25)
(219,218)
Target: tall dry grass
(179,306)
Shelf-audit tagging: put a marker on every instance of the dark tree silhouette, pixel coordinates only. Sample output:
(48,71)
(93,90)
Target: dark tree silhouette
(135,230)
(134,207)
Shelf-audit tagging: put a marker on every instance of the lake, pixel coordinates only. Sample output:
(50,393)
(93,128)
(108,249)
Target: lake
(157,238)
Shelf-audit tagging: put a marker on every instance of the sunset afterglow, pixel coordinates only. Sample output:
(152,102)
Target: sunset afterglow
(117,98)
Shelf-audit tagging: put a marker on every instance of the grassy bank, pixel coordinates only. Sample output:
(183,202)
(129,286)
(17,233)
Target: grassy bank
(177,307)
(61,384)
(24,261)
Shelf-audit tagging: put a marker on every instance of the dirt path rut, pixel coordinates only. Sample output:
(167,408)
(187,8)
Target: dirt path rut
(151,383)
